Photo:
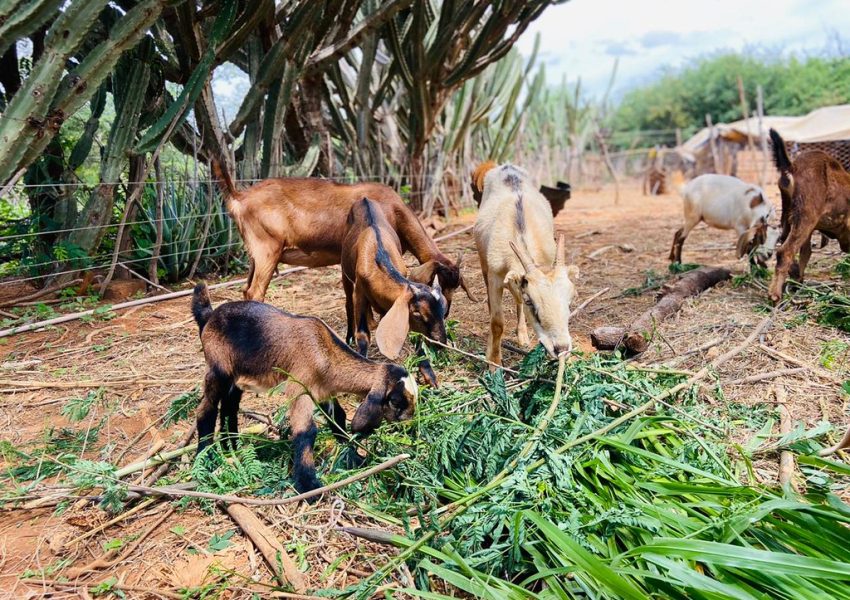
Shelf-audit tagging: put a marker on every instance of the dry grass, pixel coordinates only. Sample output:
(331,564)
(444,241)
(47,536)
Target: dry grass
(159,343)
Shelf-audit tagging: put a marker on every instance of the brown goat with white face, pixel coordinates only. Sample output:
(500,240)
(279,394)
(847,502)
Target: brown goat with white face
(815,191)
(302,221)
(374,276)
(251,346)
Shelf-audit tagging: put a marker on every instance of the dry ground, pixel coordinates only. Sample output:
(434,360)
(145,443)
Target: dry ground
(156,348)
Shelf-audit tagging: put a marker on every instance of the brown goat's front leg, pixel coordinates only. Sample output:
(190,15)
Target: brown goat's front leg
(348,288)
(676,249)
(216,388)
(805,255)
(361,310)
(799,233)
(303,438)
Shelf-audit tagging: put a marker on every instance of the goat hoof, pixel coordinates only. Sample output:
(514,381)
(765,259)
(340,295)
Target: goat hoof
(350,459)
(307,482)
(429,376)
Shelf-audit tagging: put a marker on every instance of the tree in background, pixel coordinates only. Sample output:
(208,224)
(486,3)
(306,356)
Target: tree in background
(682,98)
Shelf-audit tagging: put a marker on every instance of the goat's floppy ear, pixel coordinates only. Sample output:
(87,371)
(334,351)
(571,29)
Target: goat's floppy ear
(368,416)
(424,273)
(515,279)
(392,330)
(744,244)
(756,200)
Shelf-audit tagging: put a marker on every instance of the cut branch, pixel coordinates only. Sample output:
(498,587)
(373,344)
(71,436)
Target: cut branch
(636,337)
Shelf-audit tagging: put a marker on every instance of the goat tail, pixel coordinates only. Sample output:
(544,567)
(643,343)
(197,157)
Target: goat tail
(780,154)
(479,173)
(223,179)
(201,306)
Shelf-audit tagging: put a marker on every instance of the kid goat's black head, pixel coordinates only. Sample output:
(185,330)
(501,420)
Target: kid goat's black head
(393,400)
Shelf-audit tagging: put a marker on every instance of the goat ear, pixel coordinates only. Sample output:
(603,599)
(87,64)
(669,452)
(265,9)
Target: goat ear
(369,414)
(742,247)
(515,279)
(756,200)
(573,272)
(393,327)
(424,273)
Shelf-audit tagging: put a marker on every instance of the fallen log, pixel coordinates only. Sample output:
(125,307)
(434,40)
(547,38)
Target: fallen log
(269,546)
(636,337)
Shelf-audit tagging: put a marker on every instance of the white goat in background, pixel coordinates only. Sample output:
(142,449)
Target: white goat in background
(514,234)
(726,202)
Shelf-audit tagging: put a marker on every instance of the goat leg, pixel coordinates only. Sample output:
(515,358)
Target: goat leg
(425,368)
(303,439)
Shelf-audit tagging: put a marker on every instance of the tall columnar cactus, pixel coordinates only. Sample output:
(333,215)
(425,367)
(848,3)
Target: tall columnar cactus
(19,18)
(128,85)
(29,110)
(46,99)
(434,52)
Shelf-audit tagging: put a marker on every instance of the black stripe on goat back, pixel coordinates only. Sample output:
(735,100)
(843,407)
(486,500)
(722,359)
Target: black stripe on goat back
(375,219)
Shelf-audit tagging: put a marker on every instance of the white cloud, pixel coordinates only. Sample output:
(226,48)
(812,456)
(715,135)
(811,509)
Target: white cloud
(582,38)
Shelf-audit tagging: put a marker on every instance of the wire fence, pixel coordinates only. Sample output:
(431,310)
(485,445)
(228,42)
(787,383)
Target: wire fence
(26,265)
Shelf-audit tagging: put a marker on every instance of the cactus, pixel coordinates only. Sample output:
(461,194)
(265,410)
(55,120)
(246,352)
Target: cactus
(20,19)
(27,112)
(176,113)
(33,123)
(83,146)
(128,84)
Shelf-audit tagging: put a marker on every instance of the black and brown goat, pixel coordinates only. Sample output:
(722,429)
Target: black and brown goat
(815,191)
(374,276)
(251,346)
(301,221)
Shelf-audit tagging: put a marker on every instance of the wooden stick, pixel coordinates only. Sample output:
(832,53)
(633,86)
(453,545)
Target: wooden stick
(139,507)
(163,297)
(183,448)
(176,493)
(106,560)
(264,539)
(841,445)
(70,385)
(786,459)
(623,248)
(118,586)
(796,361)
(40,293)
(163,468)
(764,376)
(636,337)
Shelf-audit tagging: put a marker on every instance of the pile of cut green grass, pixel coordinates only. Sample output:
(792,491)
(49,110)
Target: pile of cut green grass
(661,506)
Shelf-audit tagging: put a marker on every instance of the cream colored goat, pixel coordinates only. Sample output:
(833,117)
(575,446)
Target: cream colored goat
(514,234)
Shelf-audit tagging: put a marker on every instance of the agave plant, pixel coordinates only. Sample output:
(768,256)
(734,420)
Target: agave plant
(196,230)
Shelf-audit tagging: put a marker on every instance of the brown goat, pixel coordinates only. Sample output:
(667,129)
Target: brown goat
(815,191)
(374,276)
(302,221)
(253,346)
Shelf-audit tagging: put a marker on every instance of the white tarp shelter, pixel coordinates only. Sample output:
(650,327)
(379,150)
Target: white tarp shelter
(828,124)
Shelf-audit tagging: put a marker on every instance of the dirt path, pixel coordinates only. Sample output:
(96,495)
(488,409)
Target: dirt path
(157,347)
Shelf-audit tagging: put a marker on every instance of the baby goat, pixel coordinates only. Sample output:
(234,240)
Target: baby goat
(815,192)
(251,346)
(726,202)
(514,234)
(302,221)
(374,276)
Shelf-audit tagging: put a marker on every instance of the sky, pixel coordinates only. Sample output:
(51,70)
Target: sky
(583,38)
